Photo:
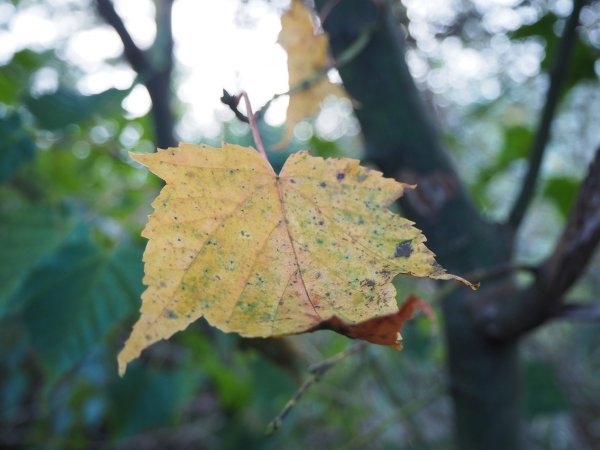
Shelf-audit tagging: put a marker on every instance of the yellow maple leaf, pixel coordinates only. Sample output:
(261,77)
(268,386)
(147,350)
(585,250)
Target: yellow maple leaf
(308,56)
(263,255)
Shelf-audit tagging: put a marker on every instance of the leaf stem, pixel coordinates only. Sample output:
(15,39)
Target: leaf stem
(253,127)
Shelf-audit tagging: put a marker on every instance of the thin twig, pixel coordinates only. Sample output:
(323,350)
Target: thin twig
(253,127)
(409,408)
(583,313)
(326,9)
(233,102)
(558,76)
(316,372)
(345,57)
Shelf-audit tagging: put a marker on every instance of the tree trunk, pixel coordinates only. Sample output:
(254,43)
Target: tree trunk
(402,139)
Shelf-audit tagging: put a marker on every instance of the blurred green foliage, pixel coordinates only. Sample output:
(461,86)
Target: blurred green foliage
(71,207)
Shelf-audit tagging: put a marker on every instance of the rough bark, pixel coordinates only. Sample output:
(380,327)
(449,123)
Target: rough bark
(401,138)
(483,328)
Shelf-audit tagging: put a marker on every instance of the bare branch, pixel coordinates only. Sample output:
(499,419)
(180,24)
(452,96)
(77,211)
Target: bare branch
(587,313)
(134,55)
(558,76)
(316,372)
(543,300)
(154,73)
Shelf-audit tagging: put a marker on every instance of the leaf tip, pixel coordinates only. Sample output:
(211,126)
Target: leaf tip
(138,157)
(398,345)
(122,367)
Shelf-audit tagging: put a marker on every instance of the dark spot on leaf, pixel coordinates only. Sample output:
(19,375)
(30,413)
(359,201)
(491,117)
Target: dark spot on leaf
(170,314)
(403,249)
(368,283)
(323,184)
(321,222)
(385,274)
(292,181)
(340,176)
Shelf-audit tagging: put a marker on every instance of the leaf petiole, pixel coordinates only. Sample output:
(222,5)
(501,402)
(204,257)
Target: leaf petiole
(253,126)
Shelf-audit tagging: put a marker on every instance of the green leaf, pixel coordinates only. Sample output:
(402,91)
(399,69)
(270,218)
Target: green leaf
(516,146)
(583,58)
(16,73)
(232,386)
(26,237)
(64,107)
(74,297)
(543,393)
(16,146)
(146,397)
(323,148)
(543,27)
(562,191)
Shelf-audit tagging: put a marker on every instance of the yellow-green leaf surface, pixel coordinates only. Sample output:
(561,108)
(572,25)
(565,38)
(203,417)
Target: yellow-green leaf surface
(307,52)
(266,255)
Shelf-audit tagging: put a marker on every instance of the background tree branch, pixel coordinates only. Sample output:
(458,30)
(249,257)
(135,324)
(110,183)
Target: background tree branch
(558,75)
(543,300)
(579,312)
(154,67)
(402,139)
(134,55)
